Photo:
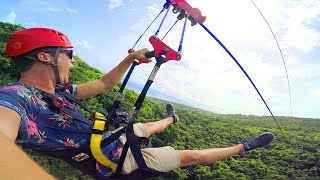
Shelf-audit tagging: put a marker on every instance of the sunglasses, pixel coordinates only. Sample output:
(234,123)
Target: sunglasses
(69,53)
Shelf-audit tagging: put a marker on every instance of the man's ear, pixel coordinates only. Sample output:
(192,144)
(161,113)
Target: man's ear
(44,57)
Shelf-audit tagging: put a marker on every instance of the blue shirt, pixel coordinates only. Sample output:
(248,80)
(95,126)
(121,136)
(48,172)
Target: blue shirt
(46,128)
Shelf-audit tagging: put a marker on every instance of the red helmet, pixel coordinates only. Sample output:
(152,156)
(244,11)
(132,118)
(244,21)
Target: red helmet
(26,40)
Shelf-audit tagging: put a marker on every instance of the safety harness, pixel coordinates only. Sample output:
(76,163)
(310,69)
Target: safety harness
(85,159)
(117,117)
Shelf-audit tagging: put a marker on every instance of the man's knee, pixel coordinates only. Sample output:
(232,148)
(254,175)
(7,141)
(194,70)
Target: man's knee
(189,157)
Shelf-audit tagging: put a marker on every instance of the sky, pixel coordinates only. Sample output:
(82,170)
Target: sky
(206,77)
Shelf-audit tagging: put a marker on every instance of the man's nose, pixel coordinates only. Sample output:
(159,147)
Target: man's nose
(72,60)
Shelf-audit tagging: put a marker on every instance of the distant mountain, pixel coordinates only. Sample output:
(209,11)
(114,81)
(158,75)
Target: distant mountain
(154,93)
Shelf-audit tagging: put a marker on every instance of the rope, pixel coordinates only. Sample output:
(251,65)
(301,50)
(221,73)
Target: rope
(147,28)
(235,60)
(284,63)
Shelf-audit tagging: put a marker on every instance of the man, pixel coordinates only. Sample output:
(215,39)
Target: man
(44,57)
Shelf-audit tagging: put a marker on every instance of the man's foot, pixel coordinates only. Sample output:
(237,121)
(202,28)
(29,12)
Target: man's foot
(171,112)
(258,141)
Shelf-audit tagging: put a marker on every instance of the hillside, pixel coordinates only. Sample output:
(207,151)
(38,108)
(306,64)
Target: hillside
(293,155)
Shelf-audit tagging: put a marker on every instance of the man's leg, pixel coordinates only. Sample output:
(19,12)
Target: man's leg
(159,126)
(209,156)
(166,158)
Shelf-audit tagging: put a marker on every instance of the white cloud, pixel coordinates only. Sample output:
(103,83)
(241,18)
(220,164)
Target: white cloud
(73,11)
(51,9)
(69,10)
(302,70)
(11,17)
(84,44)
(115,4)
(299,30)
(316,93)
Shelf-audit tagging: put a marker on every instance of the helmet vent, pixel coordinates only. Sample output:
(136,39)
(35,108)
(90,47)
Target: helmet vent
(16,45)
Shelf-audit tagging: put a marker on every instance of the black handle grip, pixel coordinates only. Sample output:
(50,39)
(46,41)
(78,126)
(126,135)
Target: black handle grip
(150,54)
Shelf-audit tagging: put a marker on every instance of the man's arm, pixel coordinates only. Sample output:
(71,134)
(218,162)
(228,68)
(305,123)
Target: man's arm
(110,79)
(9,123)
(14,163)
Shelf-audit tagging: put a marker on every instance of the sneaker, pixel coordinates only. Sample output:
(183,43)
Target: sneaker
(258,141)
(171,112)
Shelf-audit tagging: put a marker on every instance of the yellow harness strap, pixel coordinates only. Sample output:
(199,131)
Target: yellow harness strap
(95,141)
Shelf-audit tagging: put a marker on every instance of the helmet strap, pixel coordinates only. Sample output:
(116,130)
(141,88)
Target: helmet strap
(55,66)
(31,58)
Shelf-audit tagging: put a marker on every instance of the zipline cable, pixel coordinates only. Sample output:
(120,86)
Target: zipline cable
(284,63)
(147,28)
(235,60)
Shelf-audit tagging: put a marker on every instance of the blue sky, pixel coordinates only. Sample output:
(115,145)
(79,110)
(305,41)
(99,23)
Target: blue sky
(206,77)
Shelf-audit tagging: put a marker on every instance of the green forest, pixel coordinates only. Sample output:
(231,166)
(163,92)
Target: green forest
(294,154)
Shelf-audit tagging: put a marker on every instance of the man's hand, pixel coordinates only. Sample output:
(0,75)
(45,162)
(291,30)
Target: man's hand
(110,79)
(140,55)
(15,164)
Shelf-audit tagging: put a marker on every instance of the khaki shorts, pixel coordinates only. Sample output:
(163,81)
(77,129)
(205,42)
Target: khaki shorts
(162,159)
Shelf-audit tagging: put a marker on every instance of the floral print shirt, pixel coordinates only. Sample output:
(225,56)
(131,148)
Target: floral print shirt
(47,128)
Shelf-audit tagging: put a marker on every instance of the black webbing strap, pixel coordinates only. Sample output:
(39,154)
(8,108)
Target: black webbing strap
(49,99)
(133,143)
(79,117)
(122,158)
(80,103)
(112,138)
(146,141)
